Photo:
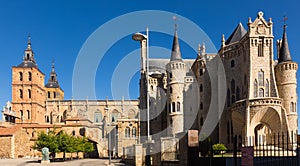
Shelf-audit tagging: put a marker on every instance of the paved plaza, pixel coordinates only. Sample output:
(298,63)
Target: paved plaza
(81,162)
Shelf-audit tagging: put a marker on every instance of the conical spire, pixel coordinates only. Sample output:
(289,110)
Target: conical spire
(284,52)
(176,54)
(52,82)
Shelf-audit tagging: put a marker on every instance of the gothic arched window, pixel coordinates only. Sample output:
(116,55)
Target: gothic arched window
(201,88)
(255,89)
(127,132)
(133,132)
(49,95)
(114,116)
(97,117)
(201,106)
(261,78)
(267,88)
(261,92)
(54,95)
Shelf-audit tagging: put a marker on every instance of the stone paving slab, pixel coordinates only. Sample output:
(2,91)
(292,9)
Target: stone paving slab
(81,162)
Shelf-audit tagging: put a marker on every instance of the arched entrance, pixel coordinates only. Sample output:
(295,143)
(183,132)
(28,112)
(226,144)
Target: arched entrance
(264,124)
(262,134)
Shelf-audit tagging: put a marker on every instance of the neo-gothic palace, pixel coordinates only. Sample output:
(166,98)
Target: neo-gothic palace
(260,99)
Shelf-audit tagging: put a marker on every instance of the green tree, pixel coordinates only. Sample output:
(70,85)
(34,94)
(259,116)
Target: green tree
(63,142)
(47,140)
(88,146)
(218,148)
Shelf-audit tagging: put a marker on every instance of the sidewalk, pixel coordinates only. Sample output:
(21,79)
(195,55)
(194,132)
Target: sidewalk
(80,162)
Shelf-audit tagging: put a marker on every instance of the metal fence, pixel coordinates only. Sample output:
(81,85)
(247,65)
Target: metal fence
(276,149)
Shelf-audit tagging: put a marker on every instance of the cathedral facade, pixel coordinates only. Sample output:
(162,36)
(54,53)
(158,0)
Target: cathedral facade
(38,107)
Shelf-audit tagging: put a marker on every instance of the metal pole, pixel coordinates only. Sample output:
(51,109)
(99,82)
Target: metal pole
(147,78)
(109,147)
(148,102)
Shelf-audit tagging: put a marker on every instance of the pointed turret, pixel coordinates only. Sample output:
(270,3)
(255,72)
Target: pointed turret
(284,52)
(52,82)
(176,54)
(28,59)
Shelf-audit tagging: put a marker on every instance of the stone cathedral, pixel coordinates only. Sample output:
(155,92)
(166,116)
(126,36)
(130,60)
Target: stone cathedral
(260,98)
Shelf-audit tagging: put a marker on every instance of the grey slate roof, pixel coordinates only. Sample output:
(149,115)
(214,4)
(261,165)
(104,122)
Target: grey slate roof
(176,54)
(284,53)
(237,34)
(27,64)
(52,82)
(52,85)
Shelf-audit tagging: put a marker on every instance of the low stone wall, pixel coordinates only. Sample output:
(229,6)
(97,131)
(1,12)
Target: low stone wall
(133,155)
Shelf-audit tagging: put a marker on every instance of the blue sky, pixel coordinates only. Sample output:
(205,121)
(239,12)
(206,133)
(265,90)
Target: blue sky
(59,28)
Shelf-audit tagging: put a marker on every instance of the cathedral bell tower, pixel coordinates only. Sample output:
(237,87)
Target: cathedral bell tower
(53,90)
(176,72)
(28,94)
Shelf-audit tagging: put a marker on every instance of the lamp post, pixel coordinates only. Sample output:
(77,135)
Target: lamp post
(144,40)
(109,139)
(145,54)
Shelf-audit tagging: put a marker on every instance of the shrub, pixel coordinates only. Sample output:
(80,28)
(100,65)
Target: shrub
(219,148)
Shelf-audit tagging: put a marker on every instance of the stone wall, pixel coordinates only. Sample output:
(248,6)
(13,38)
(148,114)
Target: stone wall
(21,144)
(6,146)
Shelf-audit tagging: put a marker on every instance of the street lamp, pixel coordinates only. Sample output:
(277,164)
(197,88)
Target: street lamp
(145,54)
(144,40)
